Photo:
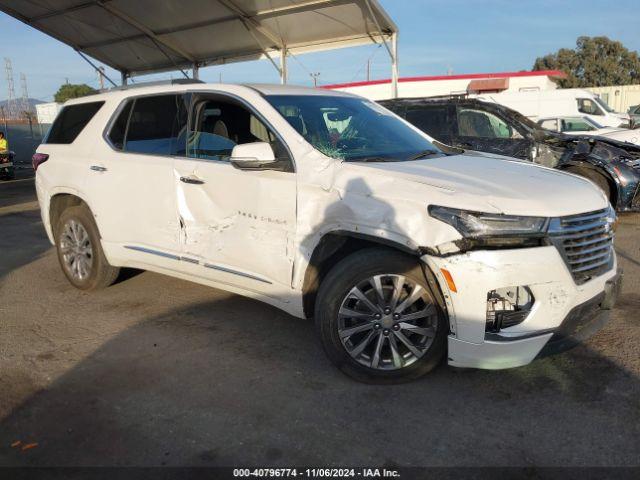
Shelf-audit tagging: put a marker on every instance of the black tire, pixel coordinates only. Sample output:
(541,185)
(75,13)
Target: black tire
(596,178)
(336,287)
(100,274)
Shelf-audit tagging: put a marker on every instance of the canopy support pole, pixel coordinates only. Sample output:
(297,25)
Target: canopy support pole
(124,78)
(393,51)
(283,66)
(394,65)
(196,71)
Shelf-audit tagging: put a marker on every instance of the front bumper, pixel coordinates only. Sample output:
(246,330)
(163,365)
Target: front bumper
(584,320)
(554,315)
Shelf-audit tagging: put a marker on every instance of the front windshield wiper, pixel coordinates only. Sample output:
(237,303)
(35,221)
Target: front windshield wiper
(371,159)
(425,154)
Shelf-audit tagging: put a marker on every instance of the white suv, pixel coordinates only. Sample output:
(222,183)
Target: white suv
(329,206)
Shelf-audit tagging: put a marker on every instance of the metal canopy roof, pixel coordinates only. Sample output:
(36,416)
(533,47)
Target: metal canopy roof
(144,36)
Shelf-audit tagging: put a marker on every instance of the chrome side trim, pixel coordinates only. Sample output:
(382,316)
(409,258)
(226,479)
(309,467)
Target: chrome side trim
(196,262)
(189,260)
(235,272)
(152,252)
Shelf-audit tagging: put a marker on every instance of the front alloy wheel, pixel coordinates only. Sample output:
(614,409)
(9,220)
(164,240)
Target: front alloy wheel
(387,322)
(380,318)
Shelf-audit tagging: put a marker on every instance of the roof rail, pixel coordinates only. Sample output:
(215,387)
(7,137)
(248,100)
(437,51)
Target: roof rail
(434,98)
(177,81)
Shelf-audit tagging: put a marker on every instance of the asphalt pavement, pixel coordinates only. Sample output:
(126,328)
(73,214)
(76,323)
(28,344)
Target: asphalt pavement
(158,371)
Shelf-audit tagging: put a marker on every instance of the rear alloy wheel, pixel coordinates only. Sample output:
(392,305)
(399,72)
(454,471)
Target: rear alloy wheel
(80,251)
(76,250)
(378,318)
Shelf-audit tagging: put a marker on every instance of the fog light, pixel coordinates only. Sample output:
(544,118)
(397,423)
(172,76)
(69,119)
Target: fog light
(507,307)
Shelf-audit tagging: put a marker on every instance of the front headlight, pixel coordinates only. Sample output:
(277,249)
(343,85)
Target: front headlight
(479,224)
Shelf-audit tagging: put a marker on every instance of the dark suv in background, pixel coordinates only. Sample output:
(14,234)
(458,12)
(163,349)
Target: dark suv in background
(489,127)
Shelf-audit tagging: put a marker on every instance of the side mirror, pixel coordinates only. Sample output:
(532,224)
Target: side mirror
(254,156)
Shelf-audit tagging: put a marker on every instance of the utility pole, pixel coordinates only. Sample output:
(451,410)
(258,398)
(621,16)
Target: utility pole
(101,77)
(11,93)
(315,76)
(26,106)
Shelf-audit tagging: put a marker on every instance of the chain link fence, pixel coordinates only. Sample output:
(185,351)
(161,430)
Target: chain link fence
(23,140)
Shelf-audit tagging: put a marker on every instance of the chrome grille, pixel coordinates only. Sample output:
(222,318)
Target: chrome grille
(585,242)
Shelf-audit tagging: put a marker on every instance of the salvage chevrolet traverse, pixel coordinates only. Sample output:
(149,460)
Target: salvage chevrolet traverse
(329,206)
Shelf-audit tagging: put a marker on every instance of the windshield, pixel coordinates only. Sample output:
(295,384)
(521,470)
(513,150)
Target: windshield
(352,129)
(604,105)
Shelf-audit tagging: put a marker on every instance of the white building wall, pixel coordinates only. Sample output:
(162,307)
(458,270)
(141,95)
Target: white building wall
(619,97)
(431,88)
(47,111)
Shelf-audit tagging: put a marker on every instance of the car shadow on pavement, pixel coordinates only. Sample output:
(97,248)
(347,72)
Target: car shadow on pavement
(22,240)
(236,382)
(157,371)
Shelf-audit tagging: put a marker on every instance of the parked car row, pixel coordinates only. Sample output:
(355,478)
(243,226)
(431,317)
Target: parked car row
(587,126)
(476,125)
(404,250)
(565,102)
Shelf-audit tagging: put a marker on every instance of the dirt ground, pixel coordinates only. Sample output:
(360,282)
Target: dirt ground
(159,371)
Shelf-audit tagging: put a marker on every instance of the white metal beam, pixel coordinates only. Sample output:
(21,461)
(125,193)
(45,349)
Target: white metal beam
(253,23)
(283,66)
(133,22)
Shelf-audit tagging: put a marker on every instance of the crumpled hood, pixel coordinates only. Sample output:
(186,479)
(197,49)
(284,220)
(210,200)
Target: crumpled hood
(482,183)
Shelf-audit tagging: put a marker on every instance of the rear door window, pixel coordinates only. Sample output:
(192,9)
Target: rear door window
(431,120)
(71,121)
(157,126)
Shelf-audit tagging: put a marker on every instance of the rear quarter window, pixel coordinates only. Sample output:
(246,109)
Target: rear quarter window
(71,121)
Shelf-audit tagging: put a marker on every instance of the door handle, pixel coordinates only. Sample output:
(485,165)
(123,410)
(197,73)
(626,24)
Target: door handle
(191,180)
(98,168)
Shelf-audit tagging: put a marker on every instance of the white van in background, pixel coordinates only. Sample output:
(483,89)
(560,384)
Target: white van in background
(569,102)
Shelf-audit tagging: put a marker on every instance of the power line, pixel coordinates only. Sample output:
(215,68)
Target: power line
(367,64)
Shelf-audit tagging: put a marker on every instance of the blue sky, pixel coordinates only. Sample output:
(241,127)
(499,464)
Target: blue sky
(436,36)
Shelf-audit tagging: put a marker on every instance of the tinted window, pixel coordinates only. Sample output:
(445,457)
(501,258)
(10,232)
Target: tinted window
(476,123)
(351,129)
(219,125)
(119,128)
(157,126)
(575,125)
(432,120)
(71,121)
(588,106)
(549,124)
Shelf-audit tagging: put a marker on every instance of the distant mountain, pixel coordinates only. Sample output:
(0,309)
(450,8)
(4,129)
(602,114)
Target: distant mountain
(32,101)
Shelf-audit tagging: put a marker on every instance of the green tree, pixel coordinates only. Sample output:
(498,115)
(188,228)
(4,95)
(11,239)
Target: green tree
(595,62)
(70,90)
